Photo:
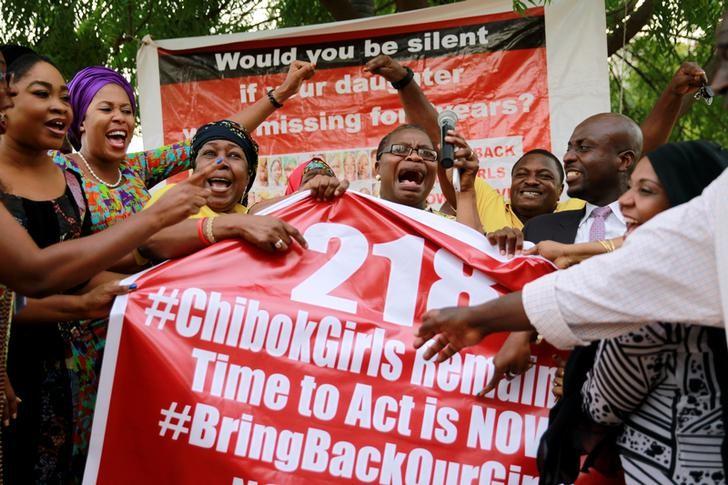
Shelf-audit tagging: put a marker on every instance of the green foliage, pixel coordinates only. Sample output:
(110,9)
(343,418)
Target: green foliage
(523,5)
(293,13)
(677,31)
(79,33)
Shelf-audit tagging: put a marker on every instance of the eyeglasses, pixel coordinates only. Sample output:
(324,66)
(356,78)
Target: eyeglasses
(403,151)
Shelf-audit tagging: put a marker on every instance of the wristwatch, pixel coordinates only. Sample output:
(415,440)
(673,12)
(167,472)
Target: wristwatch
(398,85)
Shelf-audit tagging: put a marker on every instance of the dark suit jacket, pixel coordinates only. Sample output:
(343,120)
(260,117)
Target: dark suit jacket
(559,226)
(558,456)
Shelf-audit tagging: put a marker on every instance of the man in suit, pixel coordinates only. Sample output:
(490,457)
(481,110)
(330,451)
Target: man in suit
(600,154)
(601,151)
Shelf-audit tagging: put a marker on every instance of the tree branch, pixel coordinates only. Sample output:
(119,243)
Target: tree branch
(616,16)
(636,21)
(275,18)
(641,74)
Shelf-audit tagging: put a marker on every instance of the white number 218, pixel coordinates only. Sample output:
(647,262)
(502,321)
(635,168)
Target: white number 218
(405,266)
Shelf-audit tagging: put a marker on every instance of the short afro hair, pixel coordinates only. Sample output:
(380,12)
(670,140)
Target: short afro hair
(547,154)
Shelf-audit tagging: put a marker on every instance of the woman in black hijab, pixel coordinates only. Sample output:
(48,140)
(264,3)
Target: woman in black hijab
(656,395)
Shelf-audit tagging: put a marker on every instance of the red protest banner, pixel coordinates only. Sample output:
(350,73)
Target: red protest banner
(238,366)
(492,69)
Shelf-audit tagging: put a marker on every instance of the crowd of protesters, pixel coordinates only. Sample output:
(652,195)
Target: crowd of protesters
(641,396)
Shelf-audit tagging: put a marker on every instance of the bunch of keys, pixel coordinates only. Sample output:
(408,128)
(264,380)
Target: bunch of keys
(705,93)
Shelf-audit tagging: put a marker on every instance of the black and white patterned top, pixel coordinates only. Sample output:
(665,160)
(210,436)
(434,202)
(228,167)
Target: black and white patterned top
(663,385)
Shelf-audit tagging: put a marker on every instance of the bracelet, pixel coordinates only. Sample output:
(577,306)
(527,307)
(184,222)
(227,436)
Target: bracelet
(201,231)
(405,80)
(608,245)
(209,234)
(276,104)
(139,258)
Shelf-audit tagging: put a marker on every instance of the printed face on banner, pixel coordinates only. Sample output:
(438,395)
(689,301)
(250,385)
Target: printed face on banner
(490,70)
(238,366)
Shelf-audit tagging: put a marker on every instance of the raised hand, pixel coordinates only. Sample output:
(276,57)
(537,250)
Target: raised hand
(689,78)
(298,72)
(386,67)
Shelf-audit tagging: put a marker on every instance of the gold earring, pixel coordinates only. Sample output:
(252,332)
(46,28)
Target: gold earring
(378,178)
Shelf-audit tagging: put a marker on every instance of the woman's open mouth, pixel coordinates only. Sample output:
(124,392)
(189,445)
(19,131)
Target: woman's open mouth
(219,184)
(117,139)
(57,127)
(410,178)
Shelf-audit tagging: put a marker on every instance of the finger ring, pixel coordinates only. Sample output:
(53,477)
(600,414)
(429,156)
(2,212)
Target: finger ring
(279,244)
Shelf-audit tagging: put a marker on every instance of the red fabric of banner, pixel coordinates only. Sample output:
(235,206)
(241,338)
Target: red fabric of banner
(238,366)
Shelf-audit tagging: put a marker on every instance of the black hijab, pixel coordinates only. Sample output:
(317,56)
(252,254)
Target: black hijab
(686,168)
(230,131)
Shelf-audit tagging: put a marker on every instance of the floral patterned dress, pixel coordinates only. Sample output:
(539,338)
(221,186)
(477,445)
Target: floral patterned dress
(107,206)
(140,171)
(37,447)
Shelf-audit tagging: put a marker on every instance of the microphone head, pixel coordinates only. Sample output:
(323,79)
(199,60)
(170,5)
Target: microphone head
(447,117)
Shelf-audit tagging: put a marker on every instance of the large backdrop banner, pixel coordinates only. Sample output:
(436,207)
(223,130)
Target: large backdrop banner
(237,366)
(517,82)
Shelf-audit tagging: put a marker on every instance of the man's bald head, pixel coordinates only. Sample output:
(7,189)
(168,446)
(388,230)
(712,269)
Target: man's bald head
(602,149)
(623,132)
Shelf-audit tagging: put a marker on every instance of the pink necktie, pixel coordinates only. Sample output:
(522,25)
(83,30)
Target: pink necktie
(597,232)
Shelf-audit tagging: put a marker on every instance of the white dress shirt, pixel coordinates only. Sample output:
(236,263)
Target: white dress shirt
(614,225)
(668,271)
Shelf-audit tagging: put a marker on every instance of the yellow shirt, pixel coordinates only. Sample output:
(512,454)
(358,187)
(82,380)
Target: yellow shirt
(495,213)
(204,210)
